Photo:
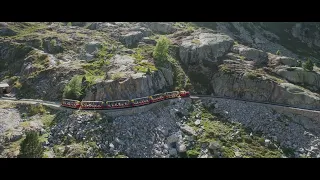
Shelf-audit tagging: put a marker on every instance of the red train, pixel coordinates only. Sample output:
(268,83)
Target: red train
(120,104)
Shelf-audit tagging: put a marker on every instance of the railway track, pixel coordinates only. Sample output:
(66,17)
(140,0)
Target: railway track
(57,104)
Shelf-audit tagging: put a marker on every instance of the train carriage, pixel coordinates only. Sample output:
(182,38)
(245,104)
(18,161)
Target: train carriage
(75,104)
(184,93)
(171,95)
(118,104)
(157,98)
(92,105)
(140,101)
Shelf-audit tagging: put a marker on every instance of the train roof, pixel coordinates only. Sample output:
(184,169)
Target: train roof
(69,100)
(141,98)
(172,92)
(117,101)
(160,94)
(92,101)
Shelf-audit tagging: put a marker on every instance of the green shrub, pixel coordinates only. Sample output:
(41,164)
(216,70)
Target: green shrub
(31,146)
(73,89)
(36,109)
(53,42)
(278,53)
(193,153)
(308,65)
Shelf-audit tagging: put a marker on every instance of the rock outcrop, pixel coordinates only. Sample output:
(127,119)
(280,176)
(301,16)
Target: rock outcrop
(301,76)
(137,85)
(258,56)
(257,89)
(204,47)
(5,30)
(160,27)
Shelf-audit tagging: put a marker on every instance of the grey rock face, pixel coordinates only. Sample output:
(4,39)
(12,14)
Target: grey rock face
(252,54)
(205,46)
(262,90)
(160,27)
(299,75)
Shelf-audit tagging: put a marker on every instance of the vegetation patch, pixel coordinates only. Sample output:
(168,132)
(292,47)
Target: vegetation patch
(231,139)
(140,56)
(253,75)
(196,41)
(225,69)
(117,76)
(26,28)
(47,120)
(308,65)
(36,109)
(31,146)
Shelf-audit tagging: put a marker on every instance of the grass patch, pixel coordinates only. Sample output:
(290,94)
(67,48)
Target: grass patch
(26,28)
(47,120)
(194,153)
(253,75)
(117,76)
(145,67)
(225,69)
(140,56)
(196,41)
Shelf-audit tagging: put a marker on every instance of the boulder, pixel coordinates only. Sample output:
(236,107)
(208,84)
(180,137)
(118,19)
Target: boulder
(92,46)
(132,38)
(287,61)
(173,152)
(188,130)
(174,138)
(181,148)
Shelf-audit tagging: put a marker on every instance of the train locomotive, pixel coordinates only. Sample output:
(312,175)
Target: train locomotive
(120,104)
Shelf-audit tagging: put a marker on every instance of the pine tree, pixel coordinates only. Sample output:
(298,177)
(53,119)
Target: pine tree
(31,146)
(161,50)
(308,65)
(73,90)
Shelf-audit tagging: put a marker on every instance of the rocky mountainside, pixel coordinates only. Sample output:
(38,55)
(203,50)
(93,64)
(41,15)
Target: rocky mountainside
(264,62)
(240,60)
